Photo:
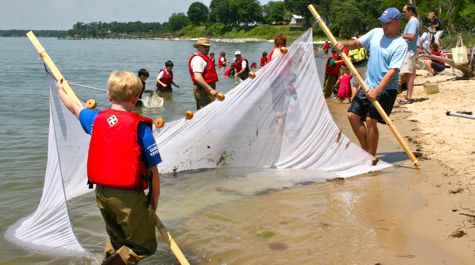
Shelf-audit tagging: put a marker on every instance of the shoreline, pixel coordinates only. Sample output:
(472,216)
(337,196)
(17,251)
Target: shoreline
(423,216)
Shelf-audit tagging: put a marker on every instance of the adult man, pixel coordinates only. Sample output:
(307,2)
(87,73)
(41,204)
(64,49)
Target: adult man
(387,51)
(411,34)
(203,74)
(332,70)
(242,66)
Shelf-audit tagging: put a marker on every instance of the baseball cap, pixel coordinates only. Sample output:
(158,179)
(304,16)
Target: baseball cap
(237,53)
(389,15)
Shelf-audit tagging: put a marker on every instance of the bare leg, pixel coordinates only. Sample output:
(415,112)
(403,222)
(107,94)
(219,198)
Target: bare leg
(410,84)
(373,135)
(428,64)
(359,129)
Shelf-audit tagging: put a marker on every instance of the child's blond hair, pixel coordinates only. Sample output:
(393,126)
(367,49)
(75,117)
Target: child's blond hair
(123,86)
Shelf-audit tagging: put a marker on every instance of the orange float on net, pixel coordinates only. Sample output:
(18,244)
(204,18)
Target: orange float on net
(220,96)
(188,114)
(252,74)
(284,50)
(91,104)
(159,122)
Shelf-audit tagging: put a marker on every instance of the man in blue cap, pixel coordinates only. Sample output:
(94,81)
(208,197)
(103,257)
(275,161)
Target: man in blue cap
(387,50)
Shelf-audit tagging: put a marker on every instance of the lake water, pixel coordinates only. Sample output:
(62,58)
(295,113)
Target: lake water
(212,226)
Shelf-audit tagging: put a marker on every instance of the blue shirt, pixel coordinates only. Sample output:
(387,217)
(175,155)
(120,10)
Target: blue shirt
(385,53)
(145,136)
(412,27)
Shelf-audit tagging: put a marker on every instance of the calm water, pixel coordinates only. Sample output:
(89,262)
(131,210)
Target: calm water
(213,225)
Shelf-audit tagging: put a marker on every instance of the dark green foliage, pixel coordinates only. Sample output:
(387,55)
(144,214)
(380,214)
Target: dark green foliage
(198,13)
(178,21)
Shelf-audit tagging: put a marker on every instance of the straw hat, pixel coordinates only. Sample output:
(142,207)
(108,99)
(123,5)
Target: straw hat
(201,42)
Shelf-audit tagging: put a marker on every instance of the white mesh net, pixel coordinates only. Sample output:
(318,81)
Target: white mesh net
(278,121)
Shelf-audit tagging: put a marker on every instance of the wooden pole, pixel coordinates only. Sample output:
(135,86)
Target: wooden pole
(58,76)
(171,243)
(365,87)
(52,66)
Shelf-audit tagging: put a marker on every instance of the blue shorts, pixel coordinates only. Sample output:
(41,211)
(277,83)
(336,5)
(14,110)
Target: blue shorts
(362,107)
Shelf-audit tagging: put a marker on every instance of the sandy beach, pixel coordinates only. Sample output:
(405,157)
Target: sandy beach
(430,217)
(447,218)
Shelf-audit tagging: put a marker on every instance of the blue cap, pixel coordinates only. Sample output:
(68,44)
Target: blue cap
(389,15)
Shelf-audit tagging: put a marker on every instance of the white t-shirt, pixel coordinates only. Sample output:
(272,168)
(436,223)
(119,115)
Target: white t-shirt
(198,64)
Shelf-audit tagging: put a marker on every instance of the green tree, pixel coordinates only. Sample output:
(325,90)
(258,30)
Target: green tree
(219,11)
(178,21)
(274,11)
(198,13)
(347,26)
(245,11)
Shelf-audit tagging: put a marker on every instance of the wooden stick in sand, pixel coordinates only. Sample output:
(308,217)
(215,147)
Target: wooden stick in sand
(58,76)
(365,87)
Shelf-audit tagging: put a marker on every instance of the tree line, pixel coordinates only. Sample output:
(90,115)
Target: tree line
(346,18)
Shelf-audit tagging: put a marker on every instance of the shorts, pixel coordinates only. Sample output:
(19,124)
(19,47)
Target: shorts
(408,66)
(437,67)
(362,107)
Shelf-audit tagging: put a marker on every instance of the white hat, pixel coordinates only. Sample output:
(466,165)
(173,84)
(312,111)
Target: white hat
(237,53)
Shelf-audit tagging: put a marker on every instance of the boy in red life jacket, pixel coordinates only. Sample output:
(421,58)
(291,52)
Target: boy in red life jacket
(211,57)
(263,59)
(332,70)
(203,74)
(165,78)
(230,70)
(242,66)
(122,161)
(222,61)
(326,46)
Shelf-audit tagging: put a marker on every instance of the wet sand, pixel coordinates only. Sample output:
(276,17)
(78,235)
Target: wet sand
(429,218)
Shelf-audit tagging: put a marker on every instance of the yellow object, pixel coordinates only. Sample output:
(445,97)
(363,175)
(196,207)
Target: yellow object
(431,88)
(284,50)
(188,114)
(159,123)
(252,74)
(91,104)
(358,55)
(52,66)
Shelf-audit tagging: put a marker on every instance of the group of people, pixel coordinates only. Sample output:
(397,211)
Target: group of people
(127,137)
(338,80)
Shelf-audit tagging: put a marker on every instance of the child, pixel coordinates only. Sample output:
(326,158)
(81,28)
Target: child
(345,87)
(165,78)
(263,59)
(230,70)
(222,61)
(122,152)
(143,75)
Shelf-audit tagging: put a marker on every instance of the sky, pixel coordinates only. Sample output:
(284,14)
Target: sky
(63,14)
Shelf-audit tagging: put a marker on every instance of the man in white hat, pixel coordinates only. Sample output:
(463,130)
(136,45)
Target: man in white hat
(203,74)
(242,66)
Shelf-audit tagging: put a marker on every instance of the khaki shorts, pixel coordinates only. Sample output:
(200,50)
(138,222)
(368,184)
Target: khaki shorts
(202,96)
(408,66)
(129,221)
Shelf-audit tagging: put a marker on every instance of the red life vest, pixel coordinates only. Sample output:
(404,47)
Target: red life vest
(263,61)
(209,74)
(238,64)
(220,62)
(167,79)
(335,69)
(114,158)
(269,57)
